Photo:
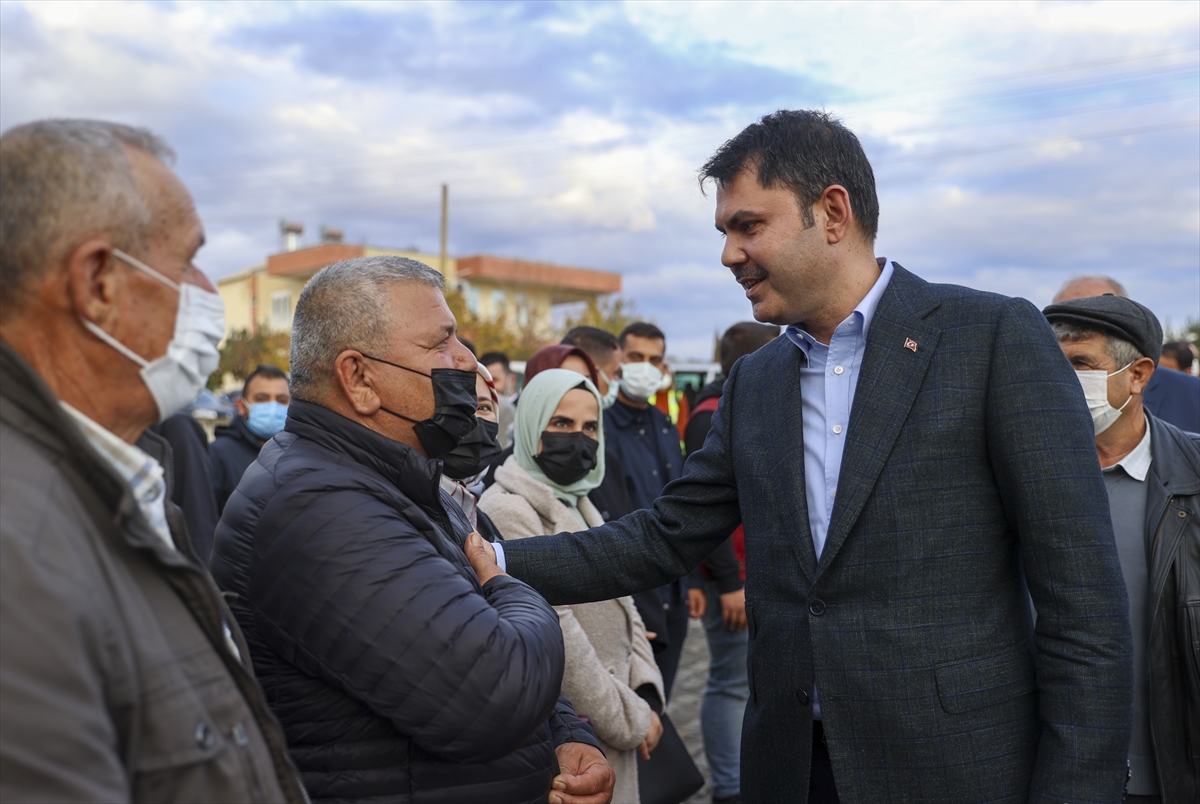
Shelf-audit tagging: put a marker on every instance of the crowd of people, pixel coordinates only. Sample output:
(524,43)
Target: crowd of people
(945,547)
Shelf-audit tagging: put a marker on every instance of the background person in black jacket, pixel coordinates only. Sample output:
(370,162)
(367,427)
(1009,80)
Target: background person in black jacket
(262,409)
(403,664)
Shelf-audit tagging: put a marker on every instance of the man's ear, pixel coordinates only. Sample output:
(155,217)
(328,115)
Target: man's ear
(93,282)
(835,203)
(1139,374)
(243,407)
(356,383)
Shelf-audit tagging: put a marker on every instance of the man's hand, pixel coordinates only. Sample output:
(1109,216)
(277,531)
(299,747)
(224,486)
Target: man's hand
(651,741)
(586,776)
(697,603)
(482,558)
(733,610)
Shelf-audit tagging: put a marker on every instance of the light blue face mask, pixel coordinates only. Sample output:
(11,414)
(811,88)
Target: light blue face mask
(266,419)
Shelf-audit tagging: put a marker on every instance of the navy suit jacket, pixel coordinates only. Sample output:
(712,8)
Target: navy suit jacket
(1174,397)
(969,476)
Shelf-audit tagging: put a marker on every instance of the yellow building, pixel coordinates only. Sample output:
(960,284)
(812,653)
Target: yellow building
(264,296)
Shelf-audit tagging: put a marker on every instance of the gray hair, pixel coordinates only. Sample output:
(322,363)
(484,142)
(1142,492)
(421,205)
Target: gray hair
(345,307)
(62,182)
(1119,349)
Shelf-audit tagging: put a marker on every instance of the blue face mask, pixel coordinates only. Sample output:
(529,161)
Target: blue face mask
(266,419)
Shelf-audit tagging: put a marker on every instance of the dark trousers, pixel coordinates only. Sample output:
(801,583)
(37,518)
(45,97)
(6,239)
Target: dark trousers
(820,778)
(674,598)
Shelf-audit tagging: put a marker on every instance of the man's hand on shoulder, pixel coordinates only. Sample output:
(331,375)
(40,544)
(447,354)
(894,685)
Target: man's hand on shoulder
(482,558)
(586,776)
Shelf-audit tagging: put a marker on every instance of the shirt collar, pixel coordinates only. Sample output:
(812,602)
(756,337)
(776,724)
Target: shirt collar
(1137,463)
(864,312)
(139,470)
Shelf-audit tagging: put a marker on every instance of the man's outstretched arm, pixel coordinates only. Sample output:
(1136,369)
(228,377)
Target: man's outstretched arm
(648,548)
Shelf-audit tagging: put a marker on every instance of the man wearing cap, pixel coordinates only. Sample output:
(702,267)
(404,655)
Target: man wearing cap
(1152,472)
(1171,396)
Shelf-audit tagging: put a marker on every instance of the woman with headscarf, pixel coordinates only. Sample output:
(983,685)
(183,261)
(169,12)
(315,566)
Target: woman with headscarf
(610,676)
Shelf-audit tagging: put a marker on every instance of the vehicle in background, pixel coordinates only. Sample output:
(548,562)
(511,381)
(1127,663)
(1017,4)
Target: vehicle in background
(691,377)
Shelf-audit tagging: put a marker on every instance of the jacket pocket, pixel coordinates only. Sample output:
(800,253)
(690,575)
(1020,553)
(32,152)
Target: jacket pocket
(970,684)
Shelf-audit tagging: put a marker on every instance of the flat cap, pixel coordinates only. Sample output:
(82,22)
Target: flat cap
(1113,315)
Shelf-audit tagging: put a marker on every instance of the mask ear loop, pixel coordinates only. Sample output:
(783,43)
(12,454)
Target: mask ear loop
(1130,398)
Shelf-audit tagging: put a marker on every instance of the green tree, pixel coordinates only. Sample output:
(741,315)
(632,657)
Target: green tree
(609,313)
(243,352)
(492,335)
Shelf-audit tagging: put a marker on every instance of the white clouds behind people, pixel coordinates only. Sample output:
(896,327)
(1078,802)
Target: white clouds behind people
(1020,144)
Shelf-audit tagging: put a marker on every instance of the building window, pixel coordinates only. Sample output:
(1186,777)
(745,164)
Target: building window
(472,295)
(522,301)
(499,304)
(281,310)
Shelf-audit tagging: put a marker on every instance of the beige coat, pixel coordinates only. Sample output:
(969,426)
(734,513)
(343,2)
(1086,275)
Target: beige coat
(608,655)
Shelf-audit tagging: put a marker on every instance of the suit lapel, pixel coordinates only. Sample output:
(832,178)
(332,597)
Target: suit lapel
(891,375)
(791,466)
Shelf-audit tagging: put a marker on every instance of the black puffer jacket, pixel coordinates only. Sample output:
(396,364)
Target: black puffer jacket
(396,677)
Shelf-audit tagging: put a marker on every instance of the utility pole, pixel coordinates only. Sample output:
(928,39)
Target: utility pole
(445,224)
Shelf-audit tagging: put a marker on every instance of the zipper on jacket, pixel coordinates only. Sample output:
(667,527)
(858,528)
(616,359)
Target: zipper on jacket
(243,744)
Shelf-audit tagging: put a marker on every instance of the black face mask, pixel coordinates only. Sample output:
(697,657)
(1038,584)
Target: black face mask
(454,409)
(566,457)
(474,452)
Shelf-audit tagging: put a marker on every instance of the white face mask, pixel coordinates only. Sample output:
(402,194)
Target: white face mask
(177,377)
(610,398)
(1095,390)
(640,380)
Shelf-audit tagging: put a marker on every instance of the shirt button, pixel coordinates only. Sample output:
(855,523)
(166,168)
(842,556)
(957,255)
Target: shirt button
(817,607)
(641,432)
(654,472)
(838,369)
(837,429)
(802,696)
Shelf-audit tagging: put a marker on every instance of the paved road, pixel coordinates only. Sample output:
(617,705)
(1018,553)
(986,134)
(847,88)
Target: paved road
(684,708)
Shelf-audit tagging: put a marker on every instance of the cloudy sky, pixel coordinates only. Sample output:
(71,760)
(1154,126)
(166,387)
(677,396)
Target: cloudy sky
(1015,145)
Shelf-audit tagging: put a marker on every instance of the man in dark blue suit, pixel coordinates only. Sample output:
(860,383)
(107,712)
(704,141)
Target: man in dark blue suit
(911,463)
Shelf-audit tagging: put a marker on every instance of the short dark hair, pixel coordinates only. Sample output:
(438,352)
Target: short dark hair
(490,358)
(642,329)
(742,339)
(263,370)
(806,151)
(1181,352)
(596,342)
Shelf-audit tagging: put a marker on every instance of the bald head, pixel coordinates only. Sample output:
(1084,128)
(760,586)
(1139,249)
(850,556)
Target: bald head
(1083,287)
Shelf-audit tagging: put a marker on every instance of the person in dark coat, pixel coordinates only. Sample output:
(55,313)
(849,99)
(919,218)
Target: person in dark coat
(648,454)
(404,665)
(1152,473)
(912,463)
(193,489)
(719,585)
(261,412)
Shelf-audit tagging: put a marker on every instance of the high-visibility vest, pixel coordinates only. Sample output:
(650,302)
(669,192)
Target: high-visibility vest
(675,405)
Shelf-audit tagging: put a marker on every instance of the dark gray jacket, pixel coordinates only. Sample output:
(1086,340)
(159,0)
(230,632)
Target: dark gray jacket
(116,682)
(232,450)
(396,676)
(969,466)
(1173,654)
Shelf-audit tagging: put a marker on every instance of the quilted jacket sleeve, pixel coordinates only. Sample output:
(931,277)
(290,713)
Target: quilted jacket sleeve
(371,606)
